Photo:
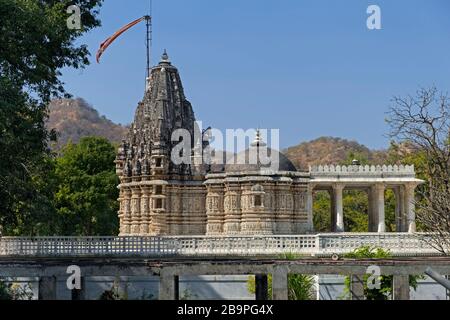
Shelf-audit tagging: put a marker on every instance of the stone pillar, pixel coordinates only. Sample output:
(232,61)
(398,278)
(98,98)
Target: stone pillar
(47,288)
(285,211)
(214,210)
(310,206)
(126,227)
(409,207)
(122,285)
(372,212)
(121,212)
(379,205)
(135,210)
(447,291)
(338,207)
(400,287)
(398,209)
(168,286)
(177,287)
(403,222)
(145,210)
(279,283)
(176,217)
(261,287)
(357,287)
(232,210)
(80,294)
(332,210)
(159,218)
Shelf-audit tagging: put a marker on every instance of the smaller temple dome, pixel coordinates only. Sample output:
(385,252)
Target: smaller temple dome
(259,157)
(242,162)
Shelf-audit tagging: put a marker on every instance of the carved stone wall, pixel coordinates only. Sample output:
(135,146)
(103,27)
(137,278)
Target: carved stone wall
(255,204)
(232,209)
(175,209)
(215,210)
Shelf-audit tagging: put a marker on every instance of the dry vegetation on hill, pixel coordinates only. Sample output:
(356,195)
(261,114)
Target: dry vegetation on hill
(330,150)
(75,118)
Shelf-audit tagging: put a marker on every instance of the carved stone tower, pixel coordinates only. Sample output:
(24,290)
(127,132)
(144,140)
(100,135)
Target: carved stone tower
(157,195)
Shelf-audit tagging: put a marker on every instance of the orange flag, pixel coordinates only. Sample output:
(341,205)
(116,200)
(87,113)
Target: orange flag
(105,44)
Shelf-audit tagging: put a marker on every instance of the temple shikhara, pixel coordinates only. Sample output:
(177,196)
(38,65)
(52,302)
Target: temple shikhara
(242,196)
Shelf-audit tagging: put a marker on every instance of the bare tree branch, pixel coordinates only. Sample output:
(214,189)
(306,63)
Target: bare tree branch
(423,121)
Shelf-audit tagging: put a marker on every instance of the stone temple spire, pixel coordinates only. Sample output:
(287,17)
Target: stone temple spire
(258,142)
(165,57)
(163,110)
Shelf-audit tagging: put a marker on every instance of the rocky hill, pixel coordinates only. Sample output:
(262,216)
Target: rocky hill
(331,150)
(75,118)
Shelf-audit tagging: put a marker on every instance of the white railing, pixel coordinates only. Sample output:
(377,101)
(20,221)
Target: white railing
(397,243)
(317,244)
(394,170)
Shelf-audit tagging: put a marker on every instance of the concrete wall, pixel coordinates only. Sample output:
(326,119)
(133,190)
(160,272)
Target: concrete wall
(147,288)
(331,287)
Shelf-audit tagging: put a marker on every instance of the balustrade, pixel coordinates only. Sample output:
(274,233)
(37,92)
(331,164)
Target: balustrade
(314,244)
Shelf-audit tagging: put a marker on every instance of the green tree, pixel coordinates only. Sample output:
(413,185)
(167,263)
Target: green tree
(4,291)
(385,290)
(321,211)
(25,192)
(115,293)
(35,44)
(420,129)
(15,291)
(86,196)
(355,206)
(300,286)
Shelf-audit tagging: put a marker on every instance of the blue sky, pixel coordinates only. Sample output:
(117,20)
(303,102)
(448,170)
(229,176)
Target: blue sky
(308,67)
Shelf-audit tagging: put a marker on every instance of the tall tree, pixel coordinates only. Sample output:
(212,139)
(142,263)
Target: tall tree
(86,197)
(35,44)
(422,122)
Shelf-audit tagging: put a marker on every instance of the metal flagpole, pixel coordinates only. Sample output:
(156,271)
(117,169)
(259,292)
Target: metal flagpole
(148,19)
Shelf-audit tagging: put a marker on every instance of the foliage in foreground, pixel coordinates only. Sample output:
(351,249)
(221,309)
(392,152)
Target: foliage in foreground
(81,197)
(14,291)
(300,286)
(385,290)
(36,45)
(114,293)
(86,195)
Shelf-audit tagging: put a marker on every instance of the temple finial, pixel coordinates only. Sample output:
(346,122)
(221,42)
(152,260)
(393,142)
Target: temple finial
(165,56)
(258,142)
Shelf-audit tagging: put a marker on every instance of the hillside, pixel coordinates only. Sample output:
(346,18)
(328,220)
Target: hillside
(330,150)
(75,118)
